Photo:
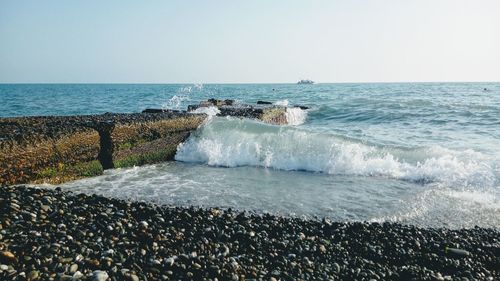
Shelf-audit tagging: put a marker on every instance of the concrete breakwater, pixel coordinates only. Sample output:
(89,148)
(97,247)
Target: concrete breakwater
(55,149)
(263,110)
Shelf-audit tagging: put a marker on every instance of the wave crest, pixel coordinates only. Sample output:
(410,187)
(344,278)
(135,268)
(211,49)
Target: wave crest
(231,142)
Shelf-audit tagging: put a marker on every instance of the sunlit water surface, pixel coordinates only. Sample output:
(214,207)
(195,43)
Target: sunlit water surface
(426,154)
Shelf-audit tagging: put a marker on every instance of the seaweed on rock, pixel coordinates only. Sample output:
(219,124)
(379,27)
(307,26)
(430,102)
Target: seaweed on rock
(54,149)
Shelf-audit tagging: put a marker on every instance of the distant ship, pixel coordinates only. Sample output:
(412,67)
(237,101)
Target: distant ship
(305,81)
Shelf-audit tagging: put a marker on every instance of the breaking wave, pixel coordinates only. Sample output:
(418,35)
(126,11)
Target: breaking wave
(295,116)
(232,142)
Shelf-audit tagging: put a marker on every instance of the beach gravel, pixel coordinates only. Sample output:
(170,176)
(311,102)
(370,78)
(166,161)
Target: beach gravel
(50,234)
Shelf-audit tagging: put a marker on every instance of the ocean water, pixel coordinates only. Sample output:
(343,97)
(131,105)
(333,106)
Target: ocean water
(424,153)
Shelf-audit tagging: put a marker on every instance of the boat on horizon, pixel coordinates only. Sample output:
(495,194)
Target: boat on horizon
(305,81)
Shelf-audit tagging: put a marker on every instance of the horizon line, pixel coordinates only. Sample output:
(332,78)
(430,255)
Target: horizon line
(236,83)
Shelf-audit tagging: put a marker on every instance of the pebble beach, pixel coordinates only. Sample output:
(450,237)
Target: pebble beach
(50,234)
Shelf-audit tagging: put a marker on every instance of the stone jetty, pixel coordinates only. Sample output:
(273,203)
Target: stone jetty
(55,149)
(262,110)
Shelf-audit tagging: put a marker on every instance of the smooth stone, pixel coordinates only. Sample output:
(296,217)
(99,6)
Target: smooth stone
(322,249)
(15,206)
(225,251)
(65,260)
(336,266)
(78,275)
(65,277)
(133,277)
(33,275)
(100,275)
(7,256)
(109,252)
(456,253)
(170,261)
(79,258)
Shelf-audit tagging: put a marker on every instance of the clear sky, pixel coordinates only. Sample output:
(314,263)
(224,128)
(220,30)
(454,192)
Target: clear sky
(249,41)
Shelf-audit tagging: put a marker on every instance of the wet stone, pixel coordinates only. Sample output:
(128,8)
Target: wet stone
(99,275)
(33,275)
(133,277)
(7,257)
(192,243)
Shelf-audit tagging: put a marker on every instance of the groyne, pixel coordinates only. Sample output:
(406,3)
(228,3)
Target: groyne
(55,149)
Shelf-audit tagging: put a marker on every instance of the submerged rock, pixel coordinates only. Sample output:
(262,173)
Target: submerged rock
(264,110)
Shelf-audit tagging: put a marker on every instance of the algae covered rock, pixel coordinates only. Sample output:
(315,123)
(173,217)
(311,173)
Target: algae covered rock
(263,110)
(55,149)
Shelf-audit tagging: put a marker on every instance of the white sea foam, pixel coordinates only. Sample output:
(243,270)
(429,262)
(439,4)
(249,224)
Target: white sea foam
(282,103)
(183,95)
(233,142)
(295,116)
(440,205)
(208,110)
(175,102)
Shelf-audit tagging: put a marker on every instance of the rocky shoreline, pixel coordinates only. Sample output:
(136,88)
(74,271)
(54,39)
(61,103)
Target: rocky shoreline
(49,234)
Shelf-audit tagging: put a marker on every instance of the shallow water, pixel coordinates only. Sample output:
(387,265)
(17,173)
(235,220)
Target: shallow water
(426,154)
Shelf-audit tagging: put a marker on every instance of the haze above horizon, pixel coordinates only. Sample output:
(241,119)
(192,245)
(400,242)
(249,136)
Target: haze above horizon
(249,42)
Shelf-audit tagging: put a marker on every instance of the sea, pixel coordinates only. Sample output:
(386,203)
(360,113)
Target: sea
(426,154)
